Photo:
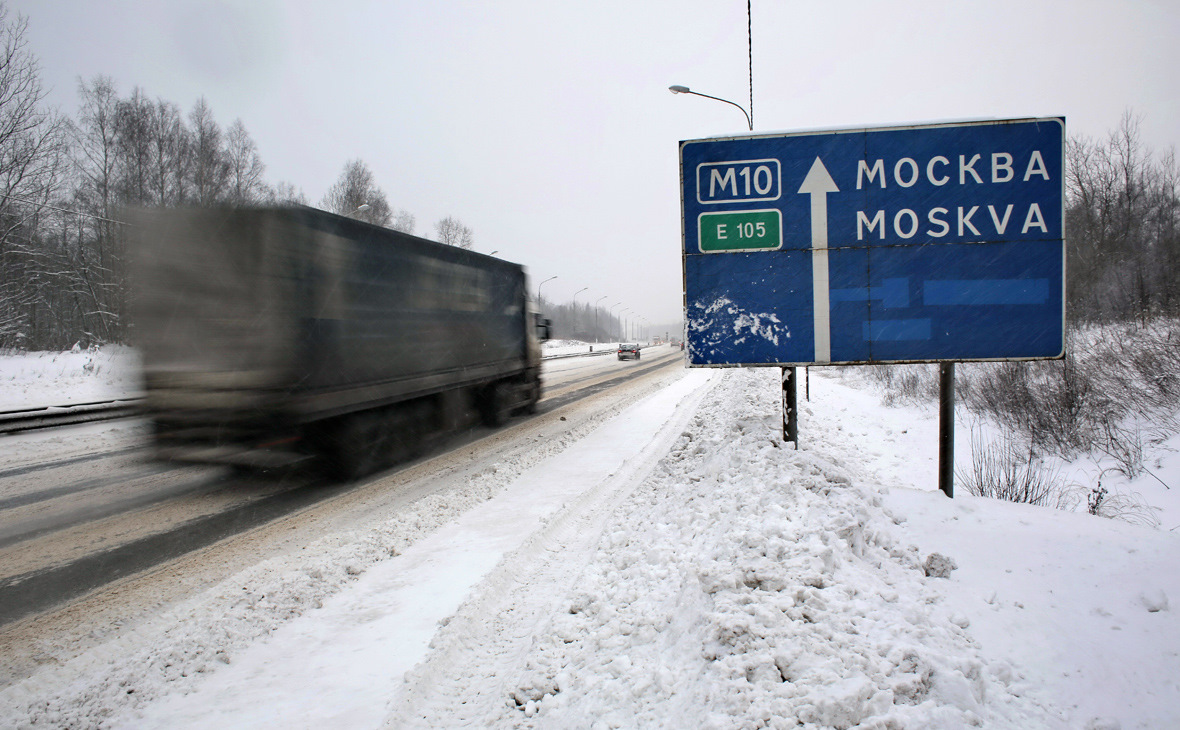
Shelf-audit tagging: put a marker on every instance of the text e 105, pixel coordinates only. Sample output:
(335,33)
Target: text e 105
(749,230)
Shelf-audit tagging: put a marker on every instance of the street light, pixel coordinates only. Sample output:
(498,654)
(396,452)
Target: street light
(574,308)
(543,283)
(610,315)
(604,296)
(677,89)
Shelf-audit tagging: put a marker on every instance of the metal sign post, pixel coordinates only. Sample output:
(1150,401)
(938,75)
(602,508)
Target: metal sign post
(946,428)
(926,243)
(790,408)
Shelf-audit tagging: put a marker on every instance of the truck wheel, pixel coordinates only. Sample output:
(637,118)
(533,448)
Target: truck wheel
(529,406)
(494,407)
(349,446)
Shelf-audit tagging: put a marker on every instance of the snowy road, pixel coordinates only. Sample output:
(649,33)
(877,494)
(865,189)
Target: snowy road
(79,509)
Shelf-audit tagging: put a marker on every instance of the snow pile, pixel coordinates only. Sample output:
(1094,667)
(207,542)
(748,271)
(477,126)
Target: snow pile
(745,584)
(62,378)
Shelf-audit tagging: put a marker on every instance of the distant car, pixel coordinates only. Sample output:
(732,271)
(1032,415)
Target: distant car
(627,352)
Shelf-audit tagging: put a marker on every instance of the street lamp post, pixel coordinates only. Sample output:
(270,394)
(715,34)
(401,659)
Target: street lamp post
(678,89)
(543,283)
(596,316)
(574,308)
(609,314)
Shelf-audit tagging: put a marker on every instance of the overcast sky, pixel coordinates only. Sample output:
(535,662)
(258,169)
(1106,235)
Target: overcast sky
(547,127)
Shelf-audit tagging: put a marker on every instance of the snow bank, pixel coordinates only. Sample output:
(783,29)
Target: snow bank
(61,378)
(745,584)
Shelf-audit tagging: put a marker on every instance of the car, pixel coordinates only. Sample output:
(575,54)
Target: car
(627,352)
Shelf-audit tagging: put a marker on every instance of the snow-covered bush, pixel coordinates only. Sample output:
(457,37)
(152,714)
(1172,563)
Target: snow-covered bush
(1002,469)
(1116,392)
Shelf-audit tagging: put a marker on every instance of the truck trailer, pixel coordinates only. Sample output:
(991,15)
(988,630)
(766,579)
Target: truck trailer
(271,336)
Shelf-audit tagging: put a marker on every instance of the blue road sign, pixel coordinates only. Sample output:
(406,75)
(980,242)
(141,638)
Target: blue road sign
(931,243)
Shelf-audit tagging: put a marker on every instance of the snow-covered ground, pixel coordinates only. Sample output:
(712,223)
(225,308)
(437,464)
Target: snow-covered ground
(678,567)
(39,379)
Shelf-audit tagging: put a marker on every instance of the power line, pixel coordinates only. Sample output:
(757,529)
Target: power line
(64,210)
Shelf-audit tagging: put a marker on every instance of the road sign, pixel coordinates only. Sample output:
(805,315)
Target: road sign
(929,243)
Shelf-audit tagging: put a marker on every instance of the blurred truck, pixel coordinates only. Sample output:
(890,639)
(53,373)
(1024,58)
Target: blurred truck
(274,335)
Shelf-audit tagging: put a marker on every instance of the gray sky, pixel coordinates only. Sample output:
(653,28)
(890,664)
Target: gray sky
(548,127)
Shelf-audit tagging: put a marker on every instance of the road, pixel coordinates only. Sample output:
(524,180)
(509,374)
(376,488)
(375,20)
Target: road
(94,538)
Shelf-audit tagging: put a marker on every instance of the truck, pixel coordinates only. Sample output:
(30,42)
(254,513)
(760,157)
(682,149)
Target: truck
(274,335)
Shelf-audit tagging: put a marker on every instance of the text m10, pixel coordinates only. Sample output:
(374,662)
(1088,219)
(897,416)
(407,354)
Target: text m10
(738,181)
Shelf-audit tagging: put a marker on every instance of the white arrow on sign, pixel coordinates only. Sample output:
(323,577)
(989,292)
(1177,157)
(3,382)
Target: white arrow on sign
(818,184)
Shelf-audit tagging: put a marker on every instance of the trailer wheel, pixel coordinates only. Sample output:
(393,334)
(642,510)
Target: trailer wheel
(533,388)
(349,446)
(494,406)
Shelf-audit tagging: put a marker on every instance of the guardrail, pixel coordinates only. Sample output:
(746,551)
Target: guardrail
(605,351)
(29,419)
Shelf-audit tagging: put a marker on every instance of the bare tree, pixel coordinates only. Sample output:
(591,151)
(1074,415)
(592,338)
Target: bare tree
(286,193)
(403,221)
(1123,214)
(96,142)
(245,165)
(135,148)
(31,167)
(452,232)
(96,162)
(210,172)
(171,158)
(356,188)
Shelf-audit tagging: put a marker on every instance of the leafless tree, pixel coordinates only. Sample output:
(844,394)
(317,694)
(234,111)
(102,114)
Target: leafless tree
(245,165)
(96,195)
(1122,220)
(356,188)
(96,143)
(135,148)
(286,193)
(403,221)
(31,167)
(171,158)
(210,171)
(452,232)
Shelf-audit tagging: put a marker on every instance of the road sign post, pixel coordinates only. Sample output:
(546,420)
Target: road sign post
(928,243)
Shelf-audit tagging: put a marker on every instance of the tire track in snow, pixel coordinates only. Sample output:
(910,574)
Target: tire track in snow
(523,590)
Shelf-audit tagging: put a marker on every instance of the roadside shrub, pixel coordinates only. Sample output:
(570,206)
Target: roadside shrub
(1116,392)
(905,384)
(1052,404)
(1101,502)
(1003,470)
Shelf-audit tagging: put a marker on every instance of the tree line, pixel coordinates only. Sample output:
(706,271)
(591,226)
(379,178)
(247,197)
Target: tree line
(1122,225)
(63,180)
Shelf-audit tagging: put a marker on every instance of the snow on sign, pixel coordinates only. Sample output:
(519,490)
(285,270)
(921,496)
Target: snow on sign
(930,243)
